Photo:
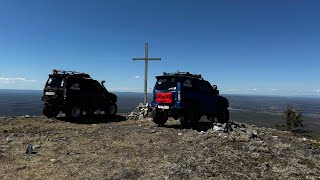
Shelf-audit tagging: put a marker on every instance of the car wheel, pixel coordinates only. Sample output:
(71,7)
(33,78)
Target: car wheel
(75,112)
(50,111)
(159,117)
(112,109)
(223,116)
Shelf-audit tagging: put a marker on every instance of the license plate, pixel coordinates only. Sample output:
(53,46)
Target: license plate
(163,107)
(50,93)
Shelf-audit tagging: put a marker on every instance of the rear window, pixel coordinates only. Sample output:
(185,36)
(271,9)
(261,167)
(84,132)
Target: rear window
(55,82)
(166,83)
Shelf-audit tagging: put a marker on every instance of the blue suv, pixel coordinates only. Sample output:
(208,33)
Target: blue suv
(187,97)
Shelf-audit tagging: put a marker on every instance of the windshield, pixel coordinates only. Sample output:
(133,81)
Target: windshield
(166,83)
(55,82)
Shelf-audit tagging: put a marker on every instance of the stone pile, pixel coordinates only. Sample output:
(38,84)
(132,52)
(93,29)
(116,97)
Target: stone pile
(140,112)
(236,131)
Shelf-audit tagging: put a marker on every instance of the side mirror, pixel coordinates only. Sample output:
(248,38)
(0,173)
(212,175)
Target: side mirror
(102,83)
(215,92)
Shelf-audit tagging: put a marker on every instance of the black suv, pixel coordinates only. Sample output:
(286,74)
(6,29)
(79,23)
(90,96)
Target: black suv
(73,92)
(188,97)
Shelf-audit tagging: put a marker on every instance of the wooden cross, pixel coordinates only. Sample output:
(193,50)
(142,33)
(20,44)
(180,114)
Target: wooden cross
(146,59)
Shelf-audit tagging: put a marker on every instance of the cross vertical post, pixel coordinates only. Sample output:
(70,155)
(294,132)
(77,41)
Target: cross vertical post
(146,59)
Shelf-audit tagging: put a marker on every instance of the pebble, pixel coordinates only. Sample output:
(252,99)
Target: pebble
(53,160)
(275,137)
(179,134)
(154,131)
(9,140)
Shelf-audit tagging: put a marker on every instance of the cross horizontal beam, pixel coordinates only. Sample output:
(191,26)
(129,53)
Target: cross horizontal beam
(146,59)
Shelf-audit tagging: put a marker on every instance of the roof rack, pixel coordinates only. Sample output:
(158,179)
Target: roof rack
(72,73)
(183,74)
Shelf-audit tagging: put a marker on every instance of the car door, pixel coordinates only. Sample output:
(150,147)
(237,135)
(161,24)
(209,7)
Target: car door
(96,95)
(207,98)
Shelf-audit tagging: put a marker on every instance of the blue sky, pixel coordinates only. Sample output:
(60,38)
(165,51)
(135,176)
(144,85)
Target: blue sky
(245,47)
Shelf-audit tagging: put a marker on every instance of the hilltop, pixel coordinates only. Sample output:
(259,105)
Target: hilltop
(129,149)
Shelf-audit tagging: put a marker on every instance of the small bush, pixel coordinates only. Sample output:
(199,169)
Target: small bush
(293,118)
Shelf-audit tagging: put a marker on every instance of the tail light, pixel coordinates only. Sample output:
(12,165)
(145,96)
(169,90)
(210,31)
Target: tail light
(164,98)
(179,95)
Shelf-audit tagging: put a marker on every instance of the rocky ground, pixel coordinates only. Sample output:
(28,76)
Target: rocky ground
(98,148)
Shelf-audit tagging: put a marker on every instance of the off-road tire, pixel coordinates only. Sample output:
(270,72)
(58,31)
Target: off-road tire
(111,110)
(223,116)
(74,112)
(50,111)
(159,117)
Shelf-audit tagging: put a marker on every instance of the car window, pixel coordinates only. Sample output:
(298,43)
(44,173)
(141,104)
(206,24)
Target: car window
(93,88)
(206,88)
(55,82)
(166,83)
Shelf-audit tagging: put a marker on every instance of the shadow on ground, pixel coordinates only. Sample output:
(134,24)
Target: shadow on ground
(94,119)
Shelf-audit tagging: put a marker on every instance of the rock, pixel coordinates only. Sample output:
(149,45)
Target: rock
(254,134)
(139,113)
(53,160)
(179,134)
(227,128)
(217,128)
(154,131)
(29,150)
(141,117)
(27,116)
(9,140)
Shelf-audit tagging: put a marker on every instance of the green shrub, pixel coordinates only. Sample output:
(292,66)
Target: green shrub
(293,118)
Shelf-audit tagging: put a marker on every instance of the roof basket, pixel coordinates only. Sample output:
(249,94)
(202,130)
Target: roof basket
(71,73)
(183,74)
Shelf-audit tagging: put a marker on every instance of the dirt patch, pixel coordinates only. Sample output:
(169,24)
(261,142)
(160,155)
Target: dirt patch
(126,149)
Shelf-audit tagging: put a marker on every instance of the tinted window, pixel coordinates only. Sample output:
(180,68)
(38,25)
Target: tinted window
(166,83)
(55,82)
(93,88)
(206,88)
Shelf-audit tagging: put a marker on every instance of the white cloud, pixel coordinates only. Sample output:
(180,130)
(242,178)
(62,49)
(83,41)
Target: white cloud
(254,89)
(318,90)
(136,77)
(6,80)
(274,89)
